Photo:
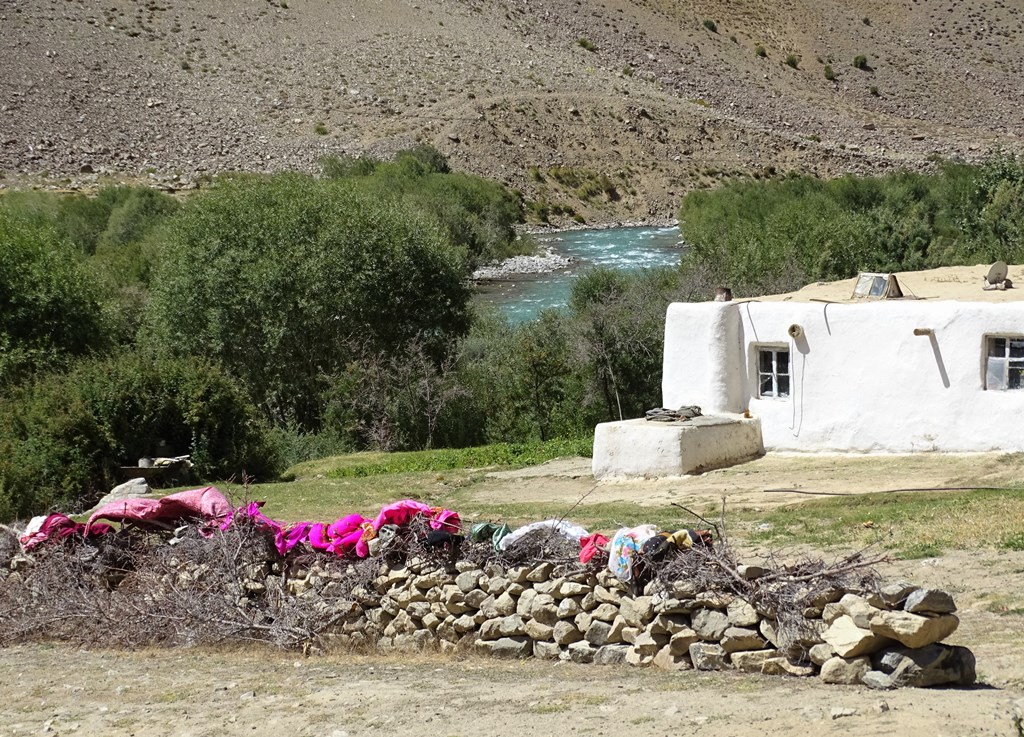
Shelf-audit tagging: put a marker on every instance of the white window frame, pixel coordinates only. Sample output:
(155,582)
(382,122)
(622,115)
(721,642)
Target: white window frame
(774,349)
(996,369)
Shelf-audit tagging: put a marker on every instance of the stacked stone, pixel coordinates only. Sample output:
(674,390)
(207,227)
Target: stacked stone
(887,639)
(892,638)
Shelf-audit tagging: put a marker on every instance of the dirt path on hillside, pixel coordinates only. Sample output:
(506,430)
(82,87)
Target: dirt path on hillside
(745,485)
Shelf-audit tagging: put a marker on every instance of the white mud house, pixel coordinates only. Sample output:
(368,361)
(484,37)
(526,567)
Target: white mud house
(935,366)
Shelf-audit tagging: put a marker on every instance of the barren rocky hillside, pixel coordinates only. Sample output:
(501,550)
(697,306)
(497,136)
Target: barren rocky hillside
(660,96)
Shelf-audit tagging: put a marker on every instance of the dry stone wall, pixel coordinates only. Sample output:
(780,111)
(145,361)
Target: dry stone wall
(887,638)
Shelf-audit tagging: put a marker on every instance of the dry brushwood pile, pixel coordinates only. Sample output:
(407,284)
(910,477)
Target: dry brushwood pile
(696,608)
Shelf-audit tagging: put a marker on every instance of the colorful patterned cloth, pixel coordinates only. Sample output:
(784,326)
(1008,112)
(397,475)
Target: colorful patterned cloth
(624,548)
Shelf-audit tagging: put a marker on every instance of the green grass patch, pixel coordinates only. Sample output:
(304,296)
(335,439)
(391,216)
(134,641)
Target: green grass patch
(911,525)
(502,455)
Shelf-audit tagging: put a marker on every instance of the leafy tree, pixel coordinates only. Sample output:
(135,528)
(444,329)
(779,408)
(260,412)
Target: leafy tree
(477,214)
(276,278)
(49,305)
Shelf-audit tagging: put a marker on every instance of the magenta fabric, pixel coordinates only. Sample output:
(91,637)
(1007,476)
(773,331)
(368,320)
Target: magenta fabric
(591,544)
(207,504)
(57,527)
(348,535)
(399,513)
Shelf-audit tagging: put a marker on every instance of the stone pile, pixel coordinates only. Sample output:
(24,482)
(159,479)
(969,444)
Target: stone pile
(883,639)
(541,263)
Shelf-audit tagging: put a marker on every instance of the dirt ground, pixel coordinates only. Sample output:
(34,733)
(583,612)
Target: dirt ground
(772,480)
(47,689)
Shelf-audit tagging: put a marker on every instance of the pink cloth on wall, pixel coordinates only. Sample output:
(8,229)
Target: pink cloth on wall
(399,513)
(207,504)
(57,527)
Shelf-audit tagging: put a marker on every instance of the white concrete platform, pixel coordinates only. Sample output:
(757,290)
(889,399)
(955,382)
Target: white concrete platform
(656,449)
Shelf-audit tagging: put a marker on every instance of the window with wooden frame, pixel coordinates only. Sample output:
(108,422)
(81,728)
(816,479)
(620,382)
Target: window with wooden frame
(1004,362)
(773,372)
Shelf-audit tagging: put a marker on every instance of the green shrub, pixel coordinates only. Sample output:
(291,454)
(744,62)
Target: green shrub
(763,237)
(320,129)
(873,91)
(830,75)
(50,306)
(860,62)
(760,51)
(63,437)
(1014,541)
(477,214)
(276,278)
(341,167)
(587,44)
(792,60)
(711,25)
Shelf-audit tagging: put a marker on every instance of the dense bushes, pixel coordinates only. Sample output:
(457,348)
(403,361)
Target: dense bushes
(286,317)
(63,436)
(478,215)
(49,304)
(275,280)
(761,237)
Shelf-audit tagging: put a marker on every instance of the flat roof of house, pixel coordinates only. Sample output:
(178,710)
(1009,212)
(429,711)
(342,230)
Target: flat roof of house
(961,283)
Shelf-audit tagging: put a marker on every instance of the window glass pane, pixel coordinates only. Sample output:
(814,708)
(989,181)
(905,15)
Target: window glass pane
(783,386)
(782,362)
(766,386)
(1014,380)
(1017,348)
(995,374)
(765,361)
(997,346)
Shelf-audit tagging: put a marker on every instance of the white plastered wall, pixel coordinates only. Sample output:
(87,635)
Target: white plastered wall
(861,380)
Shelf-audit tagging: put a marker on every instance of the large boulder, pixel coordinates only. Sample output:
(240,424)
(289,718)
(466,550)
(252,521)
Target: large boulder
(850,641)
(913,630)
(934,665)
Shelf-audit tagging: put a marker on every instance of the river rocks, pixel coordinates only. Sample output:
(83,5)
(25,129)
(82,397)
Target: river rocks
(540,263)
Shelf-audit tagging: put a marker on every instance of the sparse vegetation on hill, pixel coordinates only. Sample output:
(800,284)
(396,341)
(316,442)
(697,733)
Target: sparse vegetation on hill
(499,88)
